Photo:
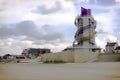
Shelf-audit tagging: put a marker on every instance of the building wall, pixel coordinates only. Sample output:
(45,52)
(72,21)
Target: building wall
(85,56)
(70,56)
(88,33)
(110,49)
(117,51)
(65,56)
(34,52)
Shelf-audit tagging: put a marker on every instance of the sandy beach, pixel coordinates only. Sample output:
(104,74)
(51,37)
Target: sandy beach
(2,74)
(67,71)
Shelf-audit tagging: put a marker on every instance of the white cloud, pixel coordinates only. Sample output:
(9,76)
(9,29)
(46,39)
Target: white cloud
(28,43)
(117,0)
(13,46)
(106,21)
(79,1)
(106,25)
(10,46)
(111,38)
(21,10)
(119,33)
(102,39)
(26,34)
(100,43)
(1,43)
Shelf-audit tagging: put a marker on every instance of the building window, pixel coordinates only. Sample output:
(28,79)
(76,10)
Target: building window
(80,22)
(93,50)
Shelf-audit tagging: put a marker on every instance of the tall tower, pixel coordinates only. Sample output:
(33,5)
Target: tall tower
(85,34)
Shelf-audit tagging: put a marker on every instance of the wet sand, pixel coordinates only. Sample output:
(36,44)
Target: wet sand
(68,71)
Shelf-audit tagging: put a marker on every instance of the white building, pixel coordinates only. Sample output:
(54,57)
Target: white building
(117,49)
(112,47)
(85,34)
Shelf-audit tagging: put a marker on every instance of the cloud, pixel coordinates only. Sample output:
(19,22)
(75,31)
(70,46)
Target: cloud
(117,0)
(100,43)
(103,31)
(9,46)
(14,11)
(13,46)
(44,9)
(102,39)
(106,21)
(106,2)
(111,38)
(1,43)
(10,50)
(27,34)
(5,31)
(21,10)
(119,33)
(31,30)
(44,23)
(53,7)
(79,1)
(106,27)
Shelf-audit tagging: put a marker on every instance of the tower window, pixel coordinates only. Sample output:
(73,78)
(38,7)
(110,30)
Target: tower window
(93,50)
(80,21)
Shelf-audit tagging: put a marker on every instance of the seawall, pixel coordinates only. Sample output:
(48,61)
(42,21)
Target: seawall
(80,57)
(70,57)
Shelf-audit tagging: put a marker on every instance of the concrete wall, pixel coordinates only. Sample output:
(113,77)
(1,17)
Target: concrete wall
(108,57)
(70,56)
(81,57)
(66,56)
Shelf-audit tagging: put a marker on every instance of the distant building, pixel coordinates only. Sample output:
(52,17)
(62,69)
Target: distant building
(117,49)
(111,47)
(34,52)
(10,56)
(6,56)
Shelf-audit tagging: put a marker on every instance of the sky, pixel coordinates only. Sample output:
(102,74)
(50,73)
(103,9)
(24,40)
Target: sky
(50,23)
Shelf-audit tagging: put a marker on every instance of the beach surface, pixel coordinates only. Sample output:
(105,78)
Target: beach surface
(66,71)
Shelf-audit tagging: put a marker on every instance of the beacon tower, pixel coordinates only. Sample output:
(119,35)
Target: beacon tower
(85,34)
